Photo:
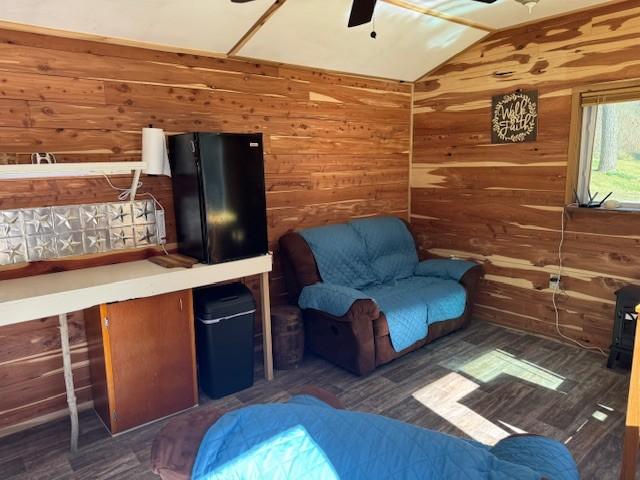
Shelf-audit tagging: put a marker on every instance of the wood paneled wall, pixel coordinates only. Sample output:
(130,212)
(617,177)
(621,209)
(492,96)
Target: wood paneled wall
(336,147)
(502,204)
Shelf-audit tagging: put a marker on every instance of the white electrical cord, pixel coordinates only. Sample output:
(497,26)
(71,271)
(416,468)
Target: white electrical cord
(557,290)
(125,194)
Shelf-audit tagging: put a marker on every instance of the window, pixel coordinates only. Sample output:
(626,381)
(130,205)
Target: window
(609,147)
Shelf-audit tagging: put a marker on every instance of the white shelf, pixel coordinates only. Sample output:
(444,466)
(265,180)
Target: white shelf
(68,169)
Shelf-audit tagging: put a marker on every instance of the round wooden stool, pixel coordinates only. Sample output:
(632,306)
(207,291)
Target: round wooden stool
(288,336)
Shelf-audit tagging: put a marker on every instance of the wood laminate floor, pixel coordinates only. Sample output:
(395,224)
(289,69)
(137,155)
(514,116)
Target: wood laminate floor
(485,382)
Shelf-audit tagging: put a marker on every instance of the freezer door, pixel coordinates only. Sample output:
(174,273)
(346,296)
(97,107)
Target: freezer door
(232,171)
(187,196)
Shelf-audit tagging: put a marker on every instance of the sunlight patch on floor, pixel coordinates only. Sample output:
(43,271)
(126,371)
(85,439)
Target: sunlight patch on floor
(489,366)
(443,397)
(598,415)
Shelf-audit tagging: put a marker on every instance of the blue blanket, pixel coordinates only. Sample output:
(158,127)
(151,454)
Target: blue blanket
(287,455)
(353,446)
(376,258)
(414,303)
(332,299)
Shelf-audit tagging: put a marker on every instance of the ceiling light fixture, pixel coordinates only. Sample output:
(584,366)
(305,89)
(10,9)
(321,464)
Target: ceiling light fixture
(529,4)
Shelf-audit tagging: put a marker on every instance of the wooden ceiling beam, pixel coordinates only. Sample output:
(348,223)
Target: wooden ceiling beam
(256,26)
(438,14)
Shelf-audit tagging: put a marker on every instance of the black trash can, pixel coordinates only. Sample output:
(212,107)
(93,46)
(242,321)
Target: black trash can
(224,338)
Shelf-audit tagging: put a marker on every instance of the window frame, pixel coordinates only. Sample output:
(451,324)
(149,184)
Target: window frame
(594,94)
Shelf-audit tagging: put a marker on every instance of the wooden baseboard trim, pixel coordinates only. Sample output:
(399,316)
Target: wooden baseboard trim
(34,422)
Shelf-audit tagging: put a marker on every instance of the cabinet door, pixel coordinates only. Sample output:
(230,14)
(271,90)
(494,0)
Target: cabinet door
(151,357)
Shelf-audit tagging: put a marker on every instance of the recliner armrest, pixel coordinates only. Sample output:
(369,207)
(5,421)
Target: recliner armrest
(364,309)
(338,301)
(444,268)
(471,278)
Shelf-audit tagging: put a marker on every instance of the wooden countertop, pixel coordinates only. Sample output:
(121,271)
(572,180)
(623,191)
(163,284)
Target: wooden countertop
(40,296)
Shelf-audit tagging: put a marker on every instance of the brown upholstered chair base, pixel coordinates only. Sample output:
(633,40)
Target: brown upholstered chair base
(356,347)
(175,447)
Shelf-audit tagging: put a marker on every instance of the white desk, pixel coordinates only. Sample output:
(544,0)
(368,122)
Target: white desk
(40,296)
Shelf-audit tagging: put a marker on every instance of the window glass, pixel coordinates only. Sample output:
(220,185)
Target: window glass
(615,156)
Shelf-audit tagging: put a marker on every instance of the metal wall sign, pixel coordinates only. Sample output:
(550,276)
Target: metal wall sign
(514,117)
(32,234)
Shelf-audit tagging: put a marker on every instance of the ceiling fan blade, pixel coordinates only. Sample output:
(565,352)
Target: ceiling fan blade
(486,1)
(361,12)
(241,1)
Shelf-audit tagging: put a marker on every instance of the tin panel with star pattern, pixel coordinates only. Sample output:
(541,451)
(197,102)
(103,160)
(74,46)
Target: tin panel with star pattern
(34,234)
(66,219)
(94,216)
(120,214)
(69,243)
(144,212)
(41,247)
(122,237)
(146,235)
(11,223)
(96,241)
(37,221)
(12,250)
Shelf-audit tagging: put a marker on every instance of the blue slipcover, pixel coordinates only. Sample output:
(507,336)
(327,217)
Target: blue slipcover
(414,303)
(376,258)
(444,268)
(340,255)
(357,446)
(333,299)
(389,245)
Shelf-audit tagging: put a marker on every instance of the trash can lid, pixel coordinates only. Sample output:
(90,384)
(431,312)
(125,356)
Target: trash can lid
(222,301)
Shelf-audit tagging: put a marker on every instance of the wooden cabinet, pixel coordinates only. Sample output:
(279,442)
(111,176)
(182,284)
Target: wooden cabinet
(142,356)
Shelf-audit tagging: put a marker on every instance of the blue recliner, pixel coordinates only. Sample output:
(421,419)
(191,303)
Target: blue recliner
(366,297)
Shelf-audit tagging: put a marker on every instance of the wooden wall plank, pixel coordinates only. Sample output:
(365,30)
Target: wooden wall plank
(89,66)
(28,39)
(14,113)
(27,140)
(25,86)
(211,101)
(31,367)
(336,147)
(118,117)
(501,204)
(320,77)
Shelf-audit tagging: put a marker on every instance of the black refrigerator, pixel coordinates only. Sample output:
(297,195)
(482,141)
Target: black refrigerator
(219,195)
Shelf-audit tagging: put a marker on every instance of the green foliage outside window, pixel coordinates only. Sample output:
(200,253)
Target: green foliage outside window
(615,163)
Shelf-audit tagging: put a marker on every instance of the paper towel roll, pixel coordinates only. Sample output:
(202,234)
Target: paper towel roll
(154,152)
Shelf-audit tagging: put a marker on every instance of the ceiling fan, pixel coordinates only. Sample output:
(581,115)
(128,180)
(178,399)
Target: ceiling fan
(362,10)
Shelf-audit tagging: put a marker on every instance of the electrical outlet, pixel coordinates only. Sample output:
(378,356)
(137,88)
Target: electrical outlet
(554,282)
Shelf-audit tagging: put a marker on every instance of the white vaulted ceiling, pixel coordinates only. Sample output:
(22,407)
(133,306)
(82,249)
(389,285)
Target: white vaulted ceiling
(208,25)
(407,42)
(506,13)
(413,36)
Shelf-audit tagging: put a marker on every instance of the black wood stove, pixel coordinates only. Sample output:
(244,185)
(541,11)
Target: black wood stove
(624,327)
